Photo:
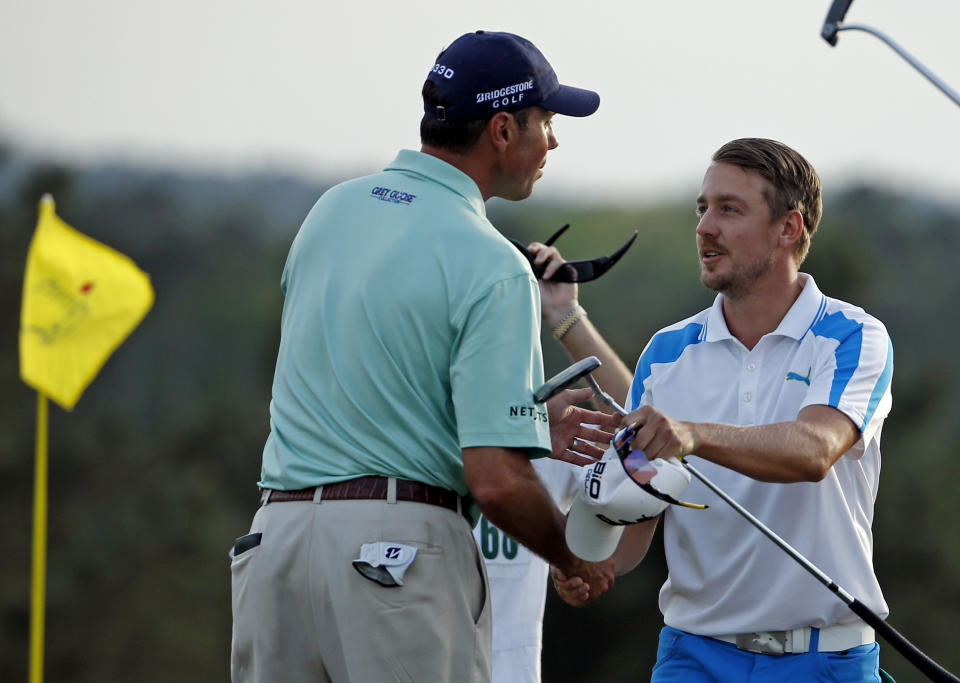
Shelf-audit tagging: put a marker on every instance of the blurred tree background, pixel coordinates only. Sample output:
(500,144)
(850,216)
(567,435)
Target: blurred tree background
(154,472)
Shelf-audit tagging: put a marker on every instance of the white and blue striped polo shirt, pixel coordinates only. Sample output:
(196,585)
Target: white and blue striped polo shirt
(725,577)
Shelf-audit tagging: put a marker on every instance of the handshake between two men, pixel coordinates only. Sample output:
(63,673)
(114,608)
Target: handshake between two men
(618,487)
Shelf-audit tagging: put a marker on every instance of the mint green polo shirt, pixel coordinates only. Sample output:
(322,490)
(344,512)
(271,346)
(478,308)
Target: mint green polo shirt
(410,330)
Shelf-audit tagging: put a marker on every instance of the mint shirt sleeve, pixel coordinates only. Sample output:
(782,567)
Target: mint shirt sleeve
(496,363)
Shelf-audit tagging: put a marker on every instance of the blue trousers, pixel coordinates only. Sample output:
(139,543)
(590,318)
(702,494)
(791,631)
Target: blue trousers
(687,658)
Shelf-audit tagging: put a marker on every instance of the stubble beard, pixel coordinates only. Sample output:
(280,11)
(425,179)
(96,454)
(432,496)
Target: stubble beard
(737,282)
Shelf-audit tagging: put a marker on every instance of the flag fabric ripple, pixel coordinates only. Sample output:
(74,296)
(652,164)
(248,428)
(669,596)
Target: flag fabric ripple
(81,299)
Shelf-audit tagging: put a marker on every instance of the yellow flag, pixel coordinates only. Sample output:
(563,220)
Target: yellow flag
(80,301)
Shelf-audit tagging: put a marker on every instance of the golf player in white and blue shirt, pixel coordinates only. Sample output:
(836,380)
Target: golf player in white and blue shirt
(778,393)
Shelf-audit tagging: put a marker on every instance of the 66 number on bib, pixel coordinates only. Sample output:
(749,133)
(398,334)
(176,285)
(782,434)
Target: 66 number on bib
(490,544)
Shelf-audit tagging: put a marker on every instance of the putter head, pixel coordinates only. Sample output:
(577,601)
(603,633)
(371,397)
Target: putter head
(835,15)
(576,271)
(565,378)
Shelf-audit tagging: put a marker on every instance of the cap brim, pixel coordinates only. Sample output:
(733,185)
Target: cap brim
(571,101)
(588,537)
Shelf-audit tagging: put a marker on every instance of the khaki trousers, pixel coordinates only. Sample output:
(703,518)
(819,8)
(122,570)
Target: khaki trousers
(302,612)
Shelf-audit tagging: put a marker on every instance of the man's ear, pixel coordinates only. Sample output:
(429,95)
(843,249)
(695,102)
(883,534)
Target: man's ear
(791,228)
(501,129)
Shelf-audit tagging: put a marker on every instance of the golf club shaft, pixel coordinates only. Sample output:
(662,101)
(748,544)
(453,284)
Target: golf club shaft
(914,655)
(911,652)
(603,396)
(944,88)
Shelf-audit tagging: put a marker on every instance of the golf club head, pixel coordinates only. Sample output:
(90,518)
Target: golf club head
(565,378)
(835,15)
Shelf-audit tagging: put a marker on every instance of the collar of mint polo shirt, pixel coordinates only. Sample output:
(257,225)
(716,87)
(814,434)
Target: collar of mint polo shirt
(439,171)
(804,312)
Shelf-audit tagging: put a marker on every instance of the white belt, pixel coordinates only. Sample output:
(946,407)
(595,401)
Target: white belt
(832,639)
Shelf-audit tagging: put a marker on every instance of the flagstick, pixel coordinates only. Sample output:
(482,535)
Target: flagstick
(38,581)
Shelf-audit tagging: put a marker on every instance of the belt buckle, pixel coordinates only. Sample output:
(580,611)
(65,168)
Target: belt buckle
(765,642)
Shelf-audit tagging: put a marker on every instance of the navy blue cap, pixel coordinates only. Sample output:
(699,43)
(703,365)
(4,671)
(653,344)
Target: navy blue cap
(485,72)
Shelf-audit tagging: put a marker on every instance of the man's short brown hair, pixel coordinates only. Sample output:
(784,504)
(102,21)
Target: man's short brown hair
(455,136)
(794,182)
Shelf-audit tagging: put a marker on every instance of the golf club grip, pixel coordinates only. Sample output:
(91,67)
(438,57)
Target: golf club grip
(914,655)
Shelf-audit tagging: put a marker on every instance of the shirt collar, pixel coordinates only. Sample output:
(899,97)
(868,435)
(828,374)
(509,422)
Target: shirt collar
(439,171)
(804,312)
(716,324)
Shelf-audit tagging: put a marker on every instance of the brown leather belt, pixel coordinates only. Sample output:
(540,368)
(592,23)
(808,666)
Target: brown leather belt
(371,488)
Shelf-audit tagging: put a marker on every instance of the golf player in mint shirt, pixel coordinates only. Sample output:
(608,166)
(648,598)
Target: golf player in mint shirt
(402,399)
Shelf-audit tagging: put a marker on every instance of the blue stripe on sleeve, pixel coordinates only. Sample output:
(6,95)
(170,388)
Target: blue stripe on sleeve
(883,383)
(665,347)
(850,335)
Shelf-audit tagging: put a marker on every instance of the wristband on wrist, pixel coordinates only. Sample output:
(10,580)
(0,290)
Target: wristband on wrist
(569,320)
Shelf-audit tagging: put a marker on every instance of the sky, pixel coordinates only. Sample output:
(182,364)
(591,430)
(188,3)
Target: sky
(332,90)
